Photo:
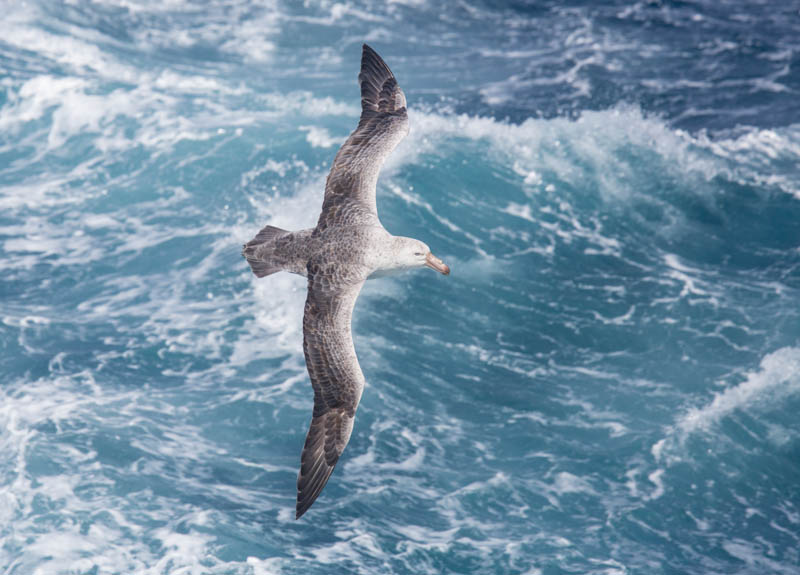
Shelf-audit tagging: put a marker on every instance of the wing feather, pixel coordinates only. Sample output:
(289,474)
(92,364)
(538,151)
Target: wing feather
(335,376)
(350,188)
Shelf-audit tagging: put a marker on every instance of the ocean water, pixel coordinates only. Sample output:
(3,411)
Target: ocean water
(607,383)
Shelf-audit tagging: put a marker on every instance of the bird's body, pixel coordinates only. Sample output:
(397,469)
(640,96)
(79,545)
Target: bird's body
(369,246)
(348,246)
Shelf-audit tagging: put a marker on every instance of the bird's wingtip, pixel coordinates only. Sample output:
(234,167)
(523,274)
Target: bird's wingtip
(301,508)
(368,53)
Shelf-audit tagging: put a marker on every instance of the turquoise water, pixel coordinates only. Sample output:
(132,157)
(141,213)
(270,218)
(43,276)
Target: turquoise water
(607,383)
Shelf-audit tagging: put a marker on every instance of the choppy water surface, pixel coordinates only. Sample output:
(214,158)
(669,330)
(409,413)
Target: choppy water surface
(608,382)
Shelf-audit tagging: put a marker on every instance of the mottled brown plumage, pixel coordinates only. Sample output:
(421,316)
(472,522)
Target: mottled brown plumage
(350,189)
(348,246)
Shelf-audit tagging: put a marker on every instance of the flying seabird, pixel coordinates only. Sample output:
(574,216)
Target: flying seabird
(348,246)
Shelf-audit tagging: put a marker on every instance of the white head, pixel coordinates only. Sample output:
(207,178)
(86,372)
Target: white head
(411,253)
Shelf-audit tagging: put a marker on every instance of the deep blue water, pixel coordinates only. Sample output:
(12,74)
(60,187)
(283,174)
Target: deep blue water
(607,383)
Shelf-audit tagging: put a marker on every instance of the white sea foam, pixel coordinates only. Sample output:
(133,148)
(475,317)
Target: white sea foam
(566,482)
(78,107)
(139,532)
(320,138)
(535,147)
(755,556)
(281,168)
(778,378)
(655,479)
(237,29)
(80,55)
(305,103)
(694,288)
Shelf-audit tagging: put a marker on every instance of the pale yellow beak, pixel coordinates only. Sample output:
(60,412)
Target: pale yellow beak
(436,264)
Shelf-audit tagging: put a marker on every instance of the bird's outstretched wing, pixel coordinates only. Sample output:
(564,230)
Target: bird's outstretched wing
(334,371)
(350,189)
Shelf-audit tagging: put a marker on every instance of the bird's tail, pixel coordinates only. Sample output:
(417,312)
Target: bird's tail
(258,254)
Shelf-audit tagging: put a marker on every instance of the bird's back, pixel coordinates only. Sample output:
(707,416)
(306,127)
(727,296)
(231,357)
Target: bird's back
(352,247)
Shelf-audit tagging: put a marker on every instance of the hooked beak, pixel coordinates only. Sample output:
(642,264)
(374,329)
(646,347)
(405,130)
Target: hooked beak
(436,264)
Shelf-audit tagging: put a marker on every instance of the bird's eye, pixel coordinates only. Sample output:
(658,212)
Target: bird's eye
(417,253)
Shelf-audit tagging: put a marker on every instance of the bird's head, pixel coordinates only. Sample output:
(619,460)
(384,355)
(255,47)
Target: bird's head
(416,254)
